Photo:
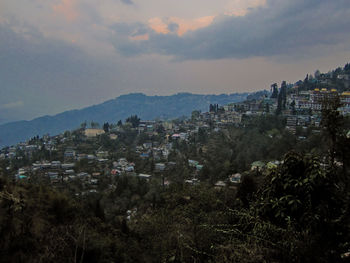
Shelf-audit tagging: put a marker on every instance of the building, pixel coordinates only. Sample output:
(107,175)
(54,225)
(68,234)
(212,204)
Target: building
(93,132)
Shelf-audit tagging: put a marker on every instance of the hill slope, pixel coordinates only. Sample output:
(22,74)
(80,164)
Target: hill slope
(146,107)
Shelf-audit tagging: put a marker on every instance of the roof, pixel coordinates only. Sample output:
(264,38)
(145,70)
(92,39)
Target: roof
(220,183)
(145,175)
(93,132)
(258,164)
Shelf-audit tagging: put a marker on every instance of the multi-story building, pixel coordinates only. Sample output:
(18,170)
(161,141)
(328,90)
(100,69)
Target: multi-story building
(345,100)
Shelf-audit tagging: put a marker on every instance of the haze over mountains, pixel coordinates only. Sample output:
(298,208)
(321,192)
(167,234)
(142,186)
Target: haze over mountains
(146,107)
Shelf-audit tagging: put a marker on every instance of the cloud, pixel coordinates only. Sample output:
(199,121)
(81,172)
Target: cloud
(178,25)
(127,2)
(44,74)
(12,105)
(67,8)
(279,28)
(140,37)
(242,7)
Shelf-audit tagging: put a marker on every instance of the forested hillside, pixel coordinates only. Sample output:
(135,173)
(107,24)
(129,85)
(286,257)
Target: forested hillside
(294,209)
(147,107)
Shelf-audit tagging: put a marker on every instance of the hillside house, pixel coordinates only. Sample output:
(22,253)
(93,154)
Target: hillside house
(93,132)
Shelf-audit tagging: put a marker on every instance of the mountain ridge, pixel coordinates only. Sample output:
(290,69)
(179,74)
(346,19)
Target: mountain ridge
(112,110)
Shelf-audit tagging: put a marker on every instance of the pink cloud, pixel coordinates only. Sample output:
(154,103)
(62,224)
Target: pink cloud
(158,25)
(241,8)
(67,8)
(234,8)
(140,37)
(184,25)
(191,25)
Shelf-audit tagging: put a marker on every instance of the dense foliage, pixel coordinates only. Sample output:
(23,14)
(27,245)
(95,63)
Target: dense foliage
(294,211)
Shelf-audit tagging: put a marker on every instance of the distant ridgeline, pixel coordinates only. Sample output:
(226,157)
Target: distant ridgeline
(146,107)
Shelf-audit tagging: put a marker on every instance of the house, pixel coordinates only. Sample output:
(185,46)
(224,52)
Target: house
(183,136)
(91,157)
(102,154)
(45,165)
(193,181)
(19,176)
(69,153)
(145,176)
(113,136)
(272,165)
(129,169)
(343,76)
(219,185)
(115,172)
(175,136)
(257,165)
(144,155)
(69,172)
(83,175)
(94,181)
(235,178)
(160,167)
(93,132)
(55,164)
(67,165)
(199,167)
(81,156)
(292,123)
(193,163)
(147,145)
(122,162)
(54,177)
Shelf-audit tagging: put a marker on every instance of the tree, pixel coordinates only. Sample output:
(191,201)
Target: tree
(332,123)
(347,68)
(195,115)
(247,189)
(317,74)
(160,129)
(279,104)
(106,127)
(274,90)
(282,98)
(312,202)
(83,125)
(292,105)
(94,125)
(133,120)
(284,94)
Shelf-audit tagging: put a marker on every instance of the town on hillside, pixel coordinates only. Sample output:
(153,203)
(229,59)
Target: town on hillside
(89,158)
(267,152)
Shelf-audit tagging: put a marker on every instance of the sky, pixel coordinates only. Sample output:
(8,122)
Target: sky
(57,55)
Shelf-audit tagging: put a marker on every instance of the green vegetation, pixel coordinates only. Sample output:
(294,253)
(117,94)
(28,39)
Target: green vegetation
(294,212)
(187,190)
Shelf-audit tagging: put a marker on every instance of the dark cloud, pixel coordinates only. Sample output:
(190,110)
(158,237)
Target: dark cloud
(127,2)
(279,28)
(130,29)
(173,27)
(45,75)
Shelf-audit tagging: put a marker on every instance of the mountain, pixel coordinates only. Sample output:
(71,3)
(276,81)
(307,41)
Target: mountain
(3,120)
(146,107)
